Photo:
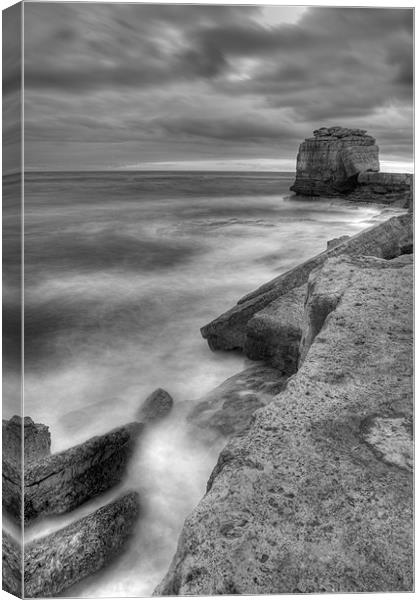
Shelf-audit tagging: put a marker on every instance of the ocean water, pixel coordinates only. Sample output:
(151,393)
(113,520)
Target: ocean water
(121,271)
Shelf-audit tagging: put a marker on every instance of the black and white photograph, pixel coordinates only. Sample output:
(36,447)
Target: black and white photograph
(208,294)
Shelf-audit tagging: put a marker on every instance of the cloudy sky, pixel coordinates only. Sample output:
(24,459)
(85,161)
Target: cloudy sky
(152,86)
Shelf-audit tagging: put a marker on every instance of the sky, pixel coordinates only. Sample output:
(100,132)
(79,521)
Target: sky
(187,86)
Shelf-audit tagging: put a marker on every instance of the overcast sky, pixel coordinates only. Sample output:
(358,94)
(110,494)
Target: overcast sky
(120,86)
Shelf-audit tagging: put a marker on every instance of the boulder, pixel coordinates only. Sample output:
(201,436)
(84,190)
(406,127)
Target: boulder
(316,495)
(229,331)
(328,163)
(227,410)
(156,406)
(60,482)
(57,561)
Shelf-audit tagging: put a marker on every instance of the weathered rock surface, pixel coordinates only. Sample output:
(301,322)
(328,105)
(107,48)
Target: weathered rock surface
(316,496)
(156,406)
(11,565)
(386,188)
(228,409)
(273,334)
(57,561)
(60,482)
(328,163)
(337,241)
(230,330)
(37,440)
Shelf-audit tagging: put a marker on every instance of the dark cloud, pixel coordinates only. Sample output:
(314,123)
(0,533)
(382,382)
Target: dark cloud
(187,78)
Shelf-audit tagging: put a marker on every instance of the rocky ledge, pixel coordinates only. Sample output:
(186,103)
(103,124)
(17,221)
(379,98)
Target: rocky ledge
(340,161)
(316,494)
(58,483)
(57,561)
(266,324)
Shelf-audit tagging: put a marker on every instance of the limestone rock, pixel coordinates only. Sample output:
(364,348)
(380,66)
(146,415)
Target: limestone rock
(11,565)
(273,334)
(316,496)
(386,188)
(336,241)
(386,240)
(156,406)
(61,559)
(328,163)
(37,440)
(60,482)
(228,409)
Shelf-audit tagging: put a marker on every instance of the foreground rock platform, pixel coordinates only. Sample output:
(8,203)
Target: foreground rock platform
(58,483)
(57,561)
(235,330)
(316,496)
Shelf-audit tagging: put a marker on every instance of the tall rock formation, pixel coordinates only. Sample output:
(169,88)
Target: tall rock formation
(329,162)
(339,161)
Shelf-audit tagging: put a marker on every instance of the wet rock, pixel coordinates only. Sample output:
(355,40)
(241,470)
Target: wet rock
(229,331)
(316,495)
(156,406)
(57,561)
(228,409)
(60,482)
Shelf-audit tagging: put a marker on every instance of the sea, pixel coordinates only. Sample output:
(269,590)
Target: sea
(121,269)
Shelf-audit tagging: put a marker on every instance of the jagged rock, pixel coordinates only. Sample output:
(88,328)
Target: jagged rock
(60,482)
(11,565)
(273,334)
(329,162)
(37,440)
(61,559)
(316,496)
(336,241)
(229,331)
(386,188)
(228,408)
(156,406)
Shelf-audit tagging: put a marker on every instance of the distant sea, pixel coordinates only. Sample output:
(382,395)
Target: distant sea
(121,271)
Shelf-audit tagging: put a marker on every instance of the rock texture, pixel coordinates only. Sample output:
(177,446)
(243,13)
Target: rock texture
(329,162)
(37,440)
(156,406)
(316,496)
(60,482)
(227,409)
(386,188)
(235,329)
(11,565)
(57,561)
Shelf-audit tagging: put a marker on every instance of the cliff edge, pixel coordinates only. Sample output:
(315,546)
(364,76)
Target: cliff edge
(316,496)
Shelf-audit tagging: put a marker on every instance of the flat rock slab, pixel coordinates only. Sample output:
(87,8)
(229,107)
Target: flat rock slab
(386,240)
(57,561)
(227,409)
(316,496)
(60,482)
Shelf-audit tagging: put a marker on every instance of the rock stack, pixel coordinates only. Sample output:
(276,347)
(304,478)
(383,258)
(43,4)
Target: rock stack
(339,161)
